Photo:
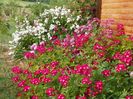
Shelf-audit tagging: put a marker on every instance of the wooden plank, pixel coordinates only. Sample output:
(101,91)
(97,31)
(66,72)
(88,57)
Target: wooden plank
(116,1)
(117,11)
(117,16)
(117,5)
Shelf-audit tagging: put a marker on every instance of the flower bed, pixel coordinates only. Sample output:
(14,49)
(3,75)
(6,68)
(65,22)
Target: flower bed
(94,62)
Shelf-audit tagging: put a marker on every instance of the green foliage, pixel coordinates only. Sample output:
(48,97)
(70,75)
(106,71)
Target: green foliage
(38,8)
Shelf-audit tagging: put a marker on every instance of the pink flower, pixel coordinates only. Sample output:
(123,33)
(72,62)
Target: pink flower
(120,67)
(98,47)
(21,83)
(117,55)
(42,43)
(99,85)
(81,39)
(61,96)
(25,71)
(50,91)
(130,38)
(34,97)
(29,76)
(15,79)
(81,97)
(45,71)
(37,72)
(64,80)
(33,47)
(35,81)
(86,80)
(120,26)
(41,49)
(129,97)
(29,55)
(106,73)
(50,49)
(26,88)
(54,72)
(101,54)
(57,42)
(54,64)
(126,57)
(46,80)
(83,70)
(16,70)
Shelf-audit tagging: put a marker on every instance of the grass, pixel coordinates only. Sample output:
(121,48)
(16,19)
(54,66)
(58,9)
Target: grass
(6,87)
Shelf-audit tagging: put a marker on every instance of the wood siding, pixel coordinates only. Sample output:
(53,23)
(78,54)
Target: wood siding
(120,10)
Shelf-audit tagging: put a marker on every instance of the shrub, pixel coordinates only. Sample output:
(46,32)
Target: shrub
(93,63)
(53,22)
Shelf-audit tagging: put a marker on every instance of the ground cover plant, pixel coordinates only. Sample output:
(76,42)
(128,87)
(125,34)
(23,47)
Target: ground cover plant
(95,62)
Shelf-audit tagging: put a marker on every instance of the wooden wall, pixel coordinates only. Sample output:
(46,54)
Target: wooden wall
(120,10)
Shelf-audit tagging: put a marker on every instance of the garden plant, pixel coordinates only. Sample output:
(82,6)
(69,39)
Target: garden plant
(95,62)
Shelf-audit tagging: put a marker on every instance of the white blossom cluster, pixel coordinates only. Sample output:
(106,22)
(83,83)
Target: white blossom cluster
(44,25)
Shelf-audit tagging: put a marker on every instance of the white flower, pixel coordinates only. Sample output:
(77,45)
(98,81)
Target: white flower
(10,53)
(131,74)
(78,17)
(33,47)
(51,27)
(49,36)
(46,20)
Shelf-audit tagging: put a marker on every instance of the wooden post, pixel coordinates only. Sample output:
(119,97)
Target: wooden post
(98,8)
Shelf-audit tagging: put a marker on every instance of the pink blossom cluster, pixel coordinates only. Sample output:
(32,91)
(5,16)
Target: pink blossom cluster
(81,39)
(129,97)
(106,73)
(93,91)
(29,55)
(83,70)
(64,80)
(120,28)
(16,70)
(120,67)
(126,57)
